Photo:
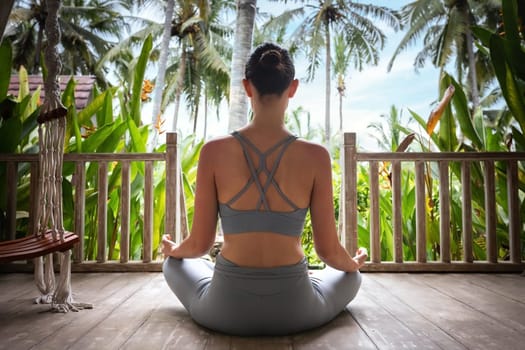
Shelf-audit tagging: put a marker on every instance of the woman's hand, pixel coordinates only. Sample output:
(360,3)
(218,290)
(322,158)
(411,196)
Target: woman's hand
(360,256)
(167,246)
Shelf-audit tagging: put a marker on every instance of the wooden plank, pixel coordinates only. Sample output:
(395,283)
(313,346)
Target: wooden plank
(15,286)
(397,212)
(170,223)
(350,194)
(360,156)
(375,242)
(453,266)
(20,299)
(450,314)
(421,227)
(34,200)
(514,211)
(102,212)
(393,324)
(510,286)
(148,213)
(436,156)
(169,326)
(466,213)
(126,316)
(12,177)
(508,312)
(108,292)
(490,212)
(444,212)
(80,208)
(262,343)
(125,204)
(341,333)
(34,246)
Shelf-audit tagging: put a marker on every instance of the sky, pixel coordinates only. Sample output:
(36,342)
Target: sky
(369,94)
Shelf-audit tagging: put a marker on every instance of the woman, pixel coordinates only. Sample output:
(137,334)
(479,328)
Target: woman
(261,181)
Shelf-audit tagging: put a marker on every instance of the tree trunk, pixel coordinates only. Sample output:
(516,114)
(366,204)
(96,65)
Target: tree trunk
(161,74)
(180,86)
(5,7)
(327,131)
(469,42)
(241,50)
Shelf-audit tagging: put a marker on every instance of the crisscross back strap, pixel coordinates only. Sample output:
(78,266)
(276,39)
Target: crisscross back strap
(255,171)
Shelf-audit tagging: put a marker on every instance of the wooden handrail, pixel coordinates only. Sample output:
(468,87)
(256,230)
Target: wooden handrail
(172,220)
(352,158)
(420,160)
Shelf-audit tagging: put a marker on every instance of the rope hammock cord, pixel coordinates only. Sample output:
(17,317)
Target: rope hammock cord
(49,236)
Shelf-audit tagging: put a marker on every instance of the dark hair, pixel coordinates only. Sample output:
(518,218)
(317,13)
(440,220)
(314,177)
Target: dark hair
(270,69)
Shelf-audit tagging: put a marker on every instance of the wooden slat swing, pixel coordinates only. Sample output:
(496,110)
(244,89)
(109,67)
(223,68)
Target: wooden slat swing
(49,236)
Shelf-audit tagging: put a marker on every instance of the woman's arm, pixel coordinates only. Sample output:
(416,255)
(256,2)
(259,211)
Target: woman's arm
(204,226)
(326,241)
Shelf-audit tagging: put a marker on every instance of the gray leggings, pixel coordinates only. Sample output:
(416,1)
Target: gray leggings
(259,301)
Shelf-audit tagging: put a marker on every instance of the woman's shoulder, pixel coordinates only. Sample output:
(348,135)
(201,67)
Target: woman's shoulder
(217,146)
(312,149)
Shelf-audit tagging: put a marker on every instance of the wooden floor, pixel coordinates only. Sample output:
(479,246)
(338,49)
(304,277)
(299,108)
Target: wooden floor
(391,311)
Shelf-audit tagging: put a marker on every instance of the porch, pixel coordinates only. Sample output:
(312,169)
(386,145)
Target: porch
(411,308)
(391,311)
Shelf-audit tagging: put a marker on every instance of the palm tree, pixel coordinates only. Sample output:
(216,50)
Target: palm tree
(200,51)
(388,134)
(342,59)
(88,30)
(161,72)
(355,22)
(241,49)
(446,29)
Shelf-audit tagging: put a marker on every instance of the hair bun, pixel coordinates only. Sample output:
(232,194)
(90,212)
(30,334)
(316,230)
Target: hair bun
(270,58)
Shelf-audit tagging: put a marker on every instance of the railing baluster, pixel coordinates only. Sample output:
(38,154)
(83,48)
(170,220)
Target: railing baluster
(102,211)
(421,230)
(171,185)
(125,205)
(11,198)
(350,188)
(148,212)
(514,211)
(34,200)
(80,205)
(444,211)
(490,212)
(397,204)
(466,195)
(375,244)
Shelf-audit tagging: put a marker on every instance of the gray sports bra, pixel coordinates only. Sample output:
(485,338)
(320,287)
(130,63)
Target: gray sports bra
(262,219)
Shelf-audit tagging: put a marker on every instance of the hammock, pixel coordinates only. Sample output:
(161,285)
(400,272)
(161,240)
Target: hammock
(49,236)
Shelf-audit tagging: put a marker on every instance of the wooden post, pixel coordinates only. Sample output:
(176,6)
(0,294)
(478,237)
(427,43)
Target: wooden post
(102,211)
(12,177)
(375,244)
(514,211)
(33,198)
(466,212)
(80,206)
(421,226)
(397,204)
(171,216)
(350,188)
(148,213)
(125,205)
(444,212)
(490,212)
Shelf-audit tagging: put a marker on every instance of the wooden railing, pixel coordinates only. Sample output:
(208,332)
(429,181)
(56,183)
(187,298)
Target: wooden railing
(174,224)
(175,221)
(420,161)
